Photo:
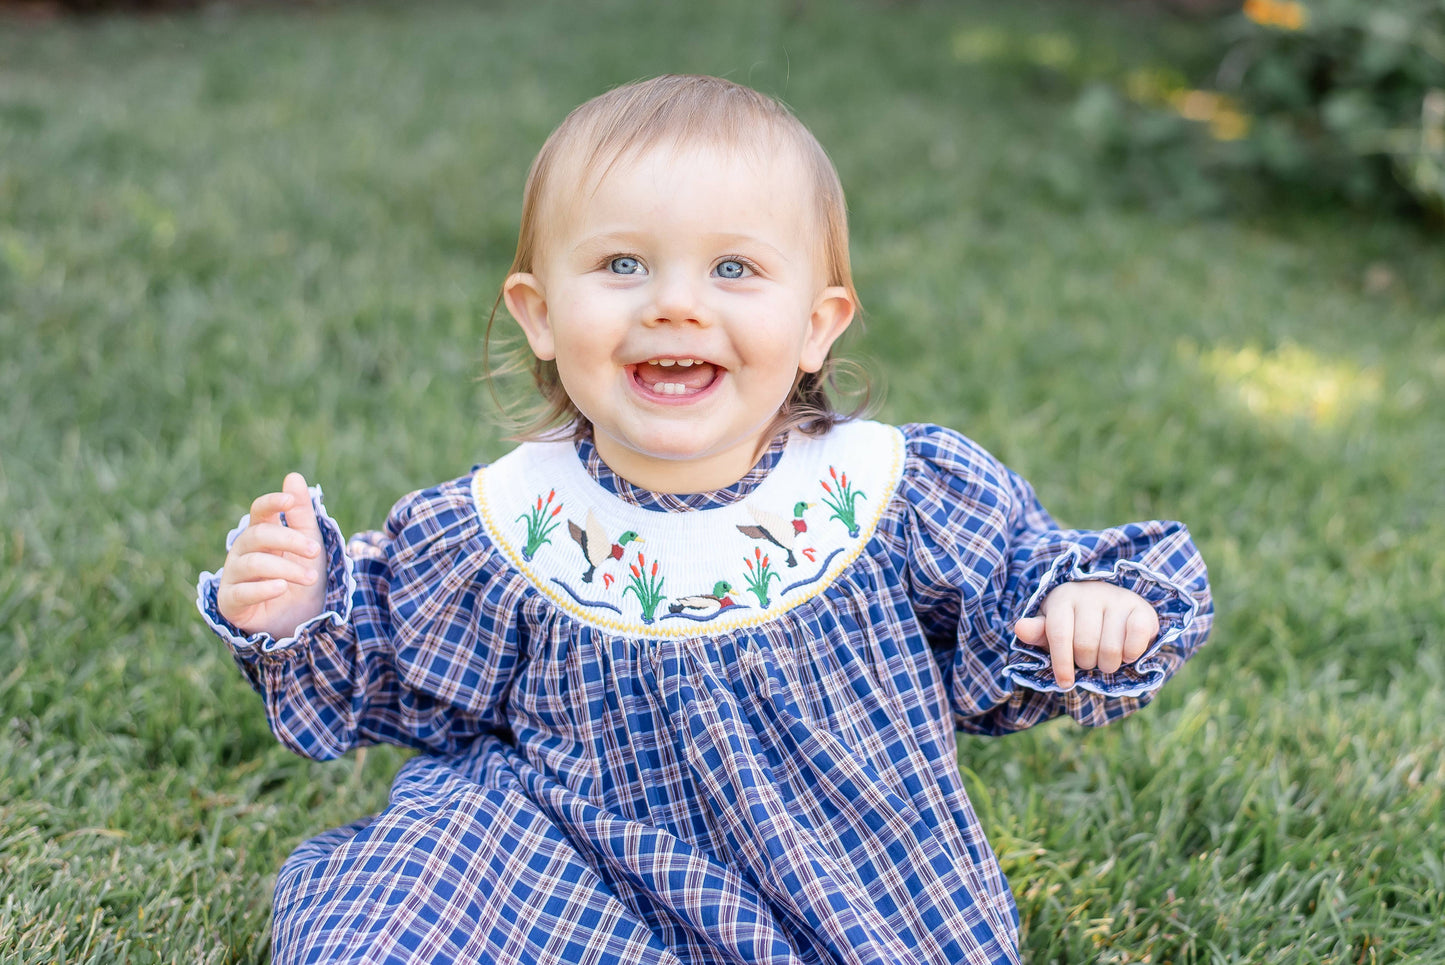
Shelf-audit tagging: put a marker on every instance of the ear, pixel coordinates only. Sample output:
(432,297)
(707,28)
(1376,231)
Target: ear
(832,313)
(527,303)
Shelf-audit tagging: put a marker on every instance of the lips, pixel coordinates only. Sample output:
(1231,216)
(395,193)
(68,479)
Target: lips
(676,376)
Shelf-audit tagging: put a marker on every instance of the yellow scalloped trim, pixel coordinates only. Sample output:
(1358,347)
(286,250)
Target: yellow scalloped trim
(722,624)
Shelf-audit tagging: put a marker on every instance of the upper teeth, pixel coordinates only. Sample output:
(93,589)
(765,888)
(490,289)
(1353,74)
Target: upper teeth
(682,362)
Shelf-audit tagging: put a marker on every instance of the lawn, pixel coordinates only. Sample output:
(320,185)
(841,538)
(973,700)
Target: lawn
(252,240)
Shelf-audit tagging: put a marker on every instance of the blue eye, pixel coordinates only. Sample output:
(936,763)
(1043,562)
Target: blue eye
(625,265)
(732,268)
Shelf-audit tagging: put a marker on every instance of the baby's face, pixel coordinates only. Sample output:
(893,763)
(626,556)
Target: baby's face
(680,296)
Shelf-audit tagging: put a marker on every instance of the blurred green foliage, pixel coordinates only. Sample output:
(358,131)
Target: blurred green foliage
(1326,99)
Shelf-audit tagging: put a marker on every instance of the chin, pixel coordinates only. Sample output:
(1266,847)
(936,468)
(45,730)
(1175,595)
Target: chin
(683,450)
(679,450)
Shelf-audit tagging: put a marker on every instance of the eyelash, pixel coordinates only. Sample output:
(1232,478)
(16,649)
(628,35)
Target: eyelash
(608,262)
(748,264)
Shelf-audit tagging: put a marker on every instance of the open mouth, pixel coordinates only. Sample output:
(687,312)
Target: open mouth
(676,377)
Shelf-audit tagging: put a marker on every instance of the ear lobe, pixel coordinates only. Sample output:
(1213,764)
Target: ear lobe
(832,314)
(527,303)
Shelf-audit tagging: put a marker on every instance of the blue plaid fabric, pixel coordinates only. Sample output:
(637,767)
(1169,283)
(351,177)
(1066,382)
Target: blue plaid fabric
(784,793)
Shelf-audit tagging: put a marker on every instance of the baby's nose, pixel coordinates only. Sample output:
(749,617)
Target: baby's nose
(677,299)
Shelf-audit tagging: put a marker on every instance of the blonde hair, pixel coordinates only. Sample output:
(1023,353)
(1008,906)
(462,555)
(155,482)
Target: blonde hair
(679,110)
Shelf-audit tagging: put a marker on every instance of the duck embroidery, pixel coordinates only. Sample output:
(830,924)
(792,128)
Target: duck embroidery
(781,532)
(596,547)
(705,604)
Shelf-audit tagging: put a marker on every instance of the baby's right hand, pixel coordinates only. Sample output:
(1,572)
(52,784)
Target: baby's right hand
(274,579)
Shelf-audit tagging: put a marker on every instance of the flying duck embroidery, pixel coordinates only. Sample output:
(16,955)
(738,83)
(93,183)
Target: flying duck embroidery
(596,547)
(782,533)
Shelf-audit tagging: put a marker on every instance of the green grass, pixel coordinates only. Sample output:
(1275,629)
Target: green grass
(235,244)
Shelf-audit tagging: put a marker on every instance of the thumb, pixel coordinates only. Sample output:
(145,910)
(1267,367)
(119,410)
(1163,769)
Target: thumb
(1030,629)
(300,517)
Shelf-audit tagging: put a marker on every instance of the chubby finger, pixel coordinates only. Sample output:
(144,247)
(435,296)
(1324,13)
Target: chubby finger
(1088,629)
(1111,639)
(1060,631)
(250,567)
(1030,629)
(1142,626)
(300,516)
(236,596)
(268,507)
(275,538)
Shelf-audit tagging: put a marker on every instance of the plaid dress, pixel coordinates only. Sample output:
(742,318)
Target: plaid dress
(690,729)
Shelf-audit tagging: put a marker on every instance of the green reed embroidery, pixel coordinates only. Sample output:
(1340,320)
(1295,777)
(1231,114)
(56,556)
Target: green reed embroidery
(541,519)
(842,502)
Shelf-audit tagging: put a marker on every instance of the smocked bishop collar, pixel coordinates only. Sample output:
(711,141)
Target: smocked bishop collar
(608,553)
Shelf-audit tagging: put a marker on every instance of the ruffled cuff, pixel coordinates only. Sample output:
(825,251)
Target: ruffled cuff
(1174,600)
(340,587)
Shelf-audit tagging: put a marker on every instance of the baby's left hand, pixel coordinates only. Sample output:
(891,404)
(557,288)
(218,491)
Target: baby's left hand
(1090,624)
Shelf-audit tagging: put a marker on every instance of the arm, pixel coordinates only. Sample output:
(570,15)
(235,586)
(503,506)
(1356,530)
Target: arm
(407,646)
(1066,605)
(985,559)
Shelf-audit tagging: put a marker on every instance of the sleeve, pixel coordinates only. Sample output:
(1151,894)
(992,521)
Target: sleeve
(983,553)
(416,645)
